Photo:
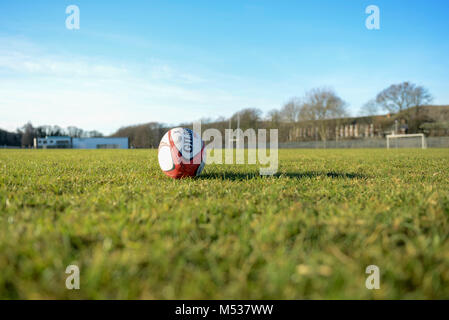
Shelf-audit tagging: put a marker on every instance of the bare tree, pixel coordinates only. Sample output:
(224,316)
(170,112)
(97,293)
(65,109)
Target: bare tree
(399,97)
(28,135)
(146,135)
(249,118)
(75,132)
(94,134)
(274,116)
(319,105)
(40,132)
(370,108)
(290,110)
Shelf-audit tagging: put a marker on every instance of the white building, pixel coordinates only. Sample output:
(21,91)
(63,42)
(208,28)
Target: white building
(100,143)
(53,142)
(81,143)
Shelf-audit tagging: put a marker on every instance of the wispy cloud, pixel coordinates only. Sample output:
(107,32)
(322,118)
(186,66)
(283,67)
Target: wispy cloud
(49,88)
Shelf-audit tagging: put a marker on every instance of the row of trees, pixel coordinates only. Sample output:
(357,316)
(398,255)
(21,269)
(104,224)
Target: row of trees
(317,106)
(405,99)
(143,135)
(324,103)
(397,98)
(12,139)
(28,132)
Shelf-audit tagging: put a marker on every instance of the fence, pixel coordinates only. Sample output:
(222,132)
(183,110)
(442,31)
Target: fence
(432,142)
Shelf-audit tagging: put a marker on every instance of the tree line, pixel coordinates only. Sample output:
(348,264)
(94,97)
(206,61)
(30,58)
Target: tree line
(323,109)
(320,106)
(25,135)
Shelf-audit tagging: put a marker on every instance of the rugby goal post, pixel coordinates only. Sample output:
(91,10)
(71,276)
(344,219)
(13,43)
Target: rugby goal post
(418,136)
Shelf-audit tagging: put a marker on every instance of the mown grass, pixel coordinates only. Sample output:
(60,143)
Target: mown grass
(309,232)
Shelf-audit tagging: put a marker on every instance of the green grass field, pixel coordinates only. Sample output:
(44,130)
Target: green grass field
(309,232)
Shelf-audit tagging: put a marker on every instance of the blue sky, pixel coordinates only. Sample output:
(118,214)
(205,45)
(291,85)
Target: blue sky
(174,61)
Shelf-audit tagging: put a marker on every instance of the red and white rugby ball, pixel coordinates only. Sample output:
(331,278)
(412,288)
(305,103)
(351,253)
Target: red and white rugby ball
(181,153)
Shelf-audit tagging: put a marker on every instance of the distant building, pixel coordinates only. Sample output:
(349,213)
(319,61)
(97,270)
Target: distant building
(100,143)
(63,142)
(66,142)
(431,120)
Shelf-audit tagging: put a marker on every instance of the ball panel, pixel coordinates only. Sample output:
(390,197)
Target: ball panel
(187,142)
(165,159)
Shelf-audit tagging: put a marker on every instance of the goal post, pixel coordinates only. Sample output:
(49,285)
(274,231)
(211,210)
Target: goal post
(418,136)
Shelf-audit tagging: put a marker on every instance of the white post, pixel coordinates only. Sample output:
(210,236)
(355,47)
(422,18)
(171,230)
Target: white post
(396,136)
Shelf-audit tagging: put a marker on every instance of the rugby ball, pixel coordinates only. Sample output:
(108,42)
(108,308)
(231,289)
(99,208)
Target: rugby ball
(181,153)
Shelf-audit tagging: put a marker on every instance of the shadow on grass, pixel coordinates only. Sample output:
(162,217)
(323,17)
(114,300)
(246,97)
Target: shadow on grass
(228,175)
